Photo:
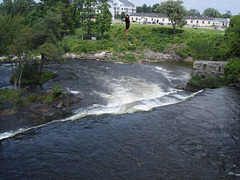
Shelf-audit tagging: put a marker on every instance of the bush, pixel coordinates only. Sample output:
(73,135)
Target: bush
(232,70)
(128,58)
(209,81)
(57,92)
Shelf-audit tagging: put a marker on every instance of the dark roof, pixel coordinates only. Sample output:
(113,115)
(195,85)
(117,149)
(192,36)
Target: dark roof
(148,14)
(200,17)
(160,15)
(126,2)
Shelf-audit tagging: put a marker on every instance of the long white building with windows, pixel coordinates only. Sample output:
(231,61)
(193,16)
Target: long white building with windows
(119,6)
(198,21)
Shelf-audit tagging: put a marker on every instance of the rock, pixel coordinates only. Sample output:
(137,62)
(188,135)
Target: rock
(100,55)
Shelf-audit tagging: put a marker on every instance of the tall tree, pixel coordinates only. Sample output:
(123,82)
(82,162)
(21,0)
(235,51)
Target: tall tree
(211,12)
(104,17)
(175,12)
(46,35)
(193,12)
(67,15)
(155,8)
(228,14)
(233,36)
(15,44)
(18,7)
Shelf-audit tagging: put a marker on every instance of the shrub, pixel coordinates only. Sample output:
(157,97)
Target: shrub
(32,98)
(232,70)
(209,81)
(57,92)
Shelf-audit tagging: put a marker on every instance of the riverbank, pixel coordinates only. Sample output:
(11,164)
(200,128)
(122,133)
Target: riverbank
(21,113)
(149,56)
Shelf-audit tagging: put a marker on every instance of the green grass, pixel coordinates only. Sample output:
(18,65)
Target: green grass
(200,43)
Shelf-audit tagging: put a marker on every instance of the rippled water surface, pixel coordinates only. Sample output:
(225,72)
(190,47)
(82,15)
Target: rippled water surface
(198,138)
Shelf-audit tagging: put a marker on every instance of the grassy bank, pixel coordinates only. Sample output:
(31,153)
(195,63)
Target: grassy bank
(197,43)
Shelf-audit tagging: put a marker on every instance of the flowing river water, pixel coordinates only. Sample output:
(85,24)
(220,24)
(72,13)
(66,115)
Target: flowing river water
(136,125)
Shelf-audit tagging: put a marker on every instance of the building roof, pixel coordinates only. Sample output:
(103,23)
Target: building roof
(163,16)
(126,2)
(148,14)
(200,17)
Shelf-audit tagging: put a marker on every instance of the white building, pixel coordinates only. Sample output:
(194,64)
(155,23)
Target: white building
(119,6)
(199,21)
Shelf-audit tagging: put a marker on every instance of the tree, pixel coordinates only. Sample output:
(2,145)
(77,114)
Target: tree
(18,7)
(211,12)
(228,14)
(89,11)
(144,8)
(80,12)
(46,35)
(155,8)
(123,15)
(193,12)
(67,15)
(15,44)
(175,12)
(233,36)
(103,18)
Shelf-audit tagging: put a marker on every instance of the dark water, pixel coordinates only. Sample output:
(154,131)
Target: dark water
(198,138)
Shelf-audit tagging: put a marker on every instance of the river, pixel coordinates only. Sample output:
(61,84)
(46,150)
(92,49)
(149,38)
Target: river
(137,125)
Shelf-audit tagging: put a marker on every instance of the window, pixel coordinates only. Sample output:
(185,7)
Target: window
(152,19)
(163,20)
(197,22)
(208,22)
(202,22)
(191,21)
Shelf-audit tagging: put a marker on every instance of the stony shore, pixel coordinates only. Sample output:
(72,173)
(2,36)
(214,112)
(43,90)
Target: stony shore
(149,56)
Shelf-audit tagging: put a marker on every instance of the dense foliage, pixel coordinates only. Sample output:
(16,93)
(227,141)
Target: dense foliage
(232,70)
(175,12)
(192,12)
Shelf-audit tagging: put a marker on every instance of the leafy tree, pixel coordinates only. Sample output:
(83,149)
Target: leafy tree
(104,18)
(228,14)
(193,12)
(51,3)
(175,12)
(89,11)
(139,9)
(233,36)
(67,15)
(46,35)
(211,12)
(18,7)
(80,12)
(123,15)
(155,8)
(33,16)
(15,44)
(144,8)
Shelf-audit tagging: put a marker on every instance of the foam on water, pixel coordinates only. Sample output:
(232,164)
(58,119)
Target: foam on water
(128,95)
